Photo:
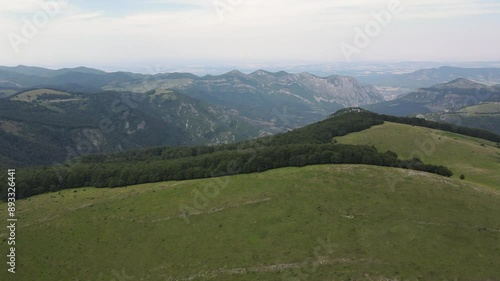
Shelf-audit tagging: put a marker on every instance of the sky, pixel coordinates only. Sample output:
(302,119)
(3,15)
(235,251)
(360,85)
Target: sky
(121,34)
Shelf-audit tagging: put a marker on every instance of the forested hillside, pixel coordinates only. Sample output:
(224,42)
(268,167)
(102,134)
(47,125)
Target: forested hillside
(314,144)
(43,126)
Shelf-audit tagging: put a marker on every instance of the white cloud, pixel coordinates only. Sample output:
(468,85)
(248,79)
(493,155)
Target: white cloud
(85,16)
(254,30)
(19,6)
(426,9)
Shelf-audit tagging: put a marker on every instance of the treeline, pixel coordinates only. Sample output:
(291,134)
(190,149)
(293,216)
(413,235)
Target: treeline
(313,144)
(341,123)
(322,132)
(218,163)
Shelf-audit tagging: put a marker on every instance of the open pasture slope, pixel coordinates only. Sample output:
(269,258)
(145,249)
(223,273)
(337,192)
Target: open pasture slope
(325,222)
(477,159)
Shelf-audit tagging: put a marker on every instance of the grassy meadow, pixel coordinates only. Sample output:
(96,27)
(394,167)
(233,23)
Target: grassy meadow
(326,222)
(478,160)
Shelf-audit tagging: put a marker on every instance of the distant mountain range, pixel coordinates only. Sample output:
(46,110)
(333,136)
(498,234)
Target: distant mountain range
(72,79)
(268,100)
(449,96)
(50,115)
(290,100)
(428,77)
(484,116)
(461,101)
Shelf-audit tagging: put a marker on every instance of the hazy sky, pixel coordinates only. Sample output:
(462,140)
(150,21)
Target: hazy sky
(117,33)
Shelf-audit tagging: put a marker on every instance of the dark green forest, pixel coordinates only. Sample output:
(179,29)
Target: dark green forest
(47,131)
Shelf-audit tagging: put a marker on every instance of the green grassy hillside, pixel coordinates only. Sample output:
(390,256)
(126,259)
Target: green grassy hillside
(329,222)
(478,160)
(491,108)
(33,95)
(309,145)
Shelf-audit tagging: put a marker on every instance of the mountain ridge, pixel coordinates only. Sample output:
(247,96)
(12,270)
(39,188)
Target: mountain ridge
(310,145)
(42,126)
(267,99)
(449,96)
(424,78)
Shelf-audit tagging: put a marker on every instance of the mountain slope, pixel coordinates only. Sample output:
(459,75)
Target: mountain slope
(427,77)
(44,72)
(484,116)
(301,98)
(44,126)
(439,98)
(274,102)
(322,222)
(310,145)
(352,224)
(71,79)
